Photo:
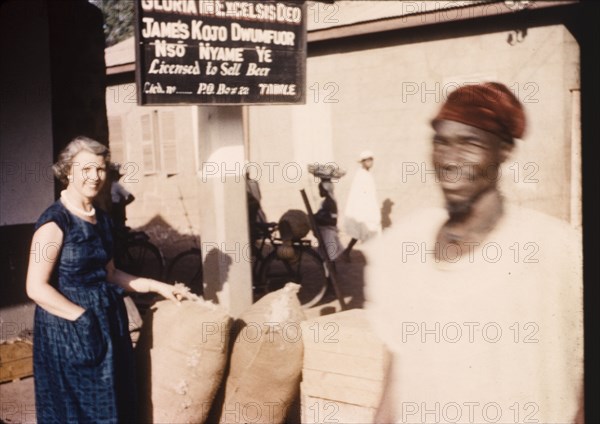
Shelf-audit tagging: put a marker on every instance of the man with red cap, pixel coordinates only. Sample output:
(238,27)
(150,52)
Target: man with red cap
(480,303)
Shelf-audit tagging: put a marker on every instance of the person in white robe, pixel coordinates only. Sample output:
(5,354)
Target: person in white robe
(362,216)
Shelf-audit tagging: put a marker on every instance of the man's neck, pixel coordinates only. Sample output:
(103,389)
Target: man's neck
(475,223)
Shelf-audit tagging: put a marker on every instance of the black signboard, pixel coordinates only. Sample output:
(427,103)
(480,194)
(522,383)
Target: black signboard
(220,52)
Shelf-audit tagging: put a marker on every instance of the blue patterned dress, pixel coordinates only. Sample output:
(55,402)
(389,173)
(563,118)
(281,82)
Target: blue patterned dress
(83,369)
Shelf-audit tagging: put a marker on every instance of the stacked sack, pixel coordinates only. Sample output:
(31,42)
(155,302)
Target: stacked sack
(266,360)
(183,351)
(180,360)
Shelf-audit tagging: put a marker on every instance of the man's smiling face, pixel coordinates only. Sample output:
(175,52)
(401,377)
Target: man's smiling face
(467,161)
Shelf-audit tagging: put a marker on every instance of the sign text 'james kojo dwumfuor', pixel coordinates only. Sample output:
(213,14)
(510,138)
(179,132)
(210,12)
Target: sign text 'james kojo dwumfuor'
(220,52)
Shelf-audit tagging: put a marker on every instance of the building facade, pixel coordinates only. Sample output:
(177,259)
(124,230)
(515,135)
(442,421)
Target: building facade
(377,72)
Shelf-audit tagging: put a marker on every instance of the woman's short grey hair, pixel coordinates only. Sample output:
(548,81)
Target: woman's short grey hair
(63,165)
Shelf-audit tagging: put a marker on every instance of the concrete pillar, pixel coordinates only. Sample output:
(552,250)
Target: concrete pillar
(223,221)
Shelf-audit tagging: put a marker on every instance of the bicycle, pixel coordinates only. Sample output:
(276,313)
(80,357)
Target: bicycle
(274,263)
(287,261)
(294,261)
(136,255)
(186,267)
(262,240)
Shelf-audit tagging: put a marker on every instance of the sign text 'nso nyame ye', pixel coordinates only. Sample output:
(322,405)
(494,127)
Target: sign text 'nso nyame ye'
(220,52)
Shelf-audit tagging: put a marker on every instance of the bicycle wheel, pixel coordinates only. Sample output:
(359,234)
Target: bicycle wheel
(307,270)
(143,259)
(186,268)
(259,256)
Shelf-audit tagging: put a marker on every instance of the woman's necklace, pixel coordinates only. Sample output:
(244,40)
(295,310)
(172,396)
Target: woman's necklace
(63,195)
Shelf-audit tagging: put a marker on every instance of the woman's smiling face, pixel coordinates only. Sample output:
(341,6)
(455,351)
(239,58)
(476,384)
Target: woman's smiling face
(87,174)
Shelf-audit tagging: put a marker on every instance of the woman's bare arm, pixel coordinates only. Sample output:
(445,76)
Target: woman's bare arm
(133,283)
(44,252)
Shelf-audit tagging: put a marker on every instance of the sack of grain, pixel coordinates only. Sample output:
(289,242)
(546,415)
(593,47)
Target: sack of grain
(266,360)
(293,225)
(181,356)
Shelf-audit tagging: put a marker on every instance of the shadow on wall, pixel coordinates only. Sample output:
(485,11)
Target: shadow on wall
(216,270)
(168,239)
(386,211)
(215,265)
(352,279)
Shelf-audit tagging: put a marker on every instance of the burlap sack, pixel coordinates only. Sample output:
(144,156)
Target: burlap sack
(266,360)
(293,225)
(181,356)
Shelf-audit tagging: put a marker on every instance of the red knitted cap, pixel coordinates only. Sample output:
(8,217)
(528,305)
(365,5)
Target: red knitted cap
(489,106)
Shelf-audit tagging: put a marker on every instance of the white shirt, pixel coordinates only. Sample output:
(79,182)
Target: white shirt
(494,337)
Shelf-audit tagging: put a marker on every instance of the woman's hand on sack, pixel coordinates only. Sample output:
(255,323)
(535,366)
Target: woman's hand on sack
(168,291)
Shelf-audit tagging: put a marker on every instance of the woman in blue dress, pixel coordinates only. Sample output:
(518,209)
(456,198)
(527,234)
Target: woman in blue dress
(83,357)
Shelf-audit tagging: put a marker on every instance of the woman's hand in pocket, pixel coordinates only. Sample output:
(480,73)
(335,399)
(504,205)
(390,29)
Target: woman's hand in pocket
(88,346)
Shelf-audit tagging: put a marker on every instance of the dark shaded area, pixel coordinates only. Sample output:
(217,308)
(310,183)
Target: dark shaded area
(171,243)
(166,238)
(585,28)
(77,72)
(75,47)
(216,270)
(14,258)
(386,211)
(120,78)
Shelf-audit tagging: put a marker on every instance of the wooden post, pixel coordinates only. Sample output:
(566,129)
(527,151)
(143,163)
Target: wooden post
(224,218)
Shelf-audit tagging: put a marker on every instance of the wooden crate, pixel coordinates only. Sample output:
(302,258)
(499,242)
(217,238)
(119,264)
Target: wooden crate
(16,360)
(316,410)
(344,368)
